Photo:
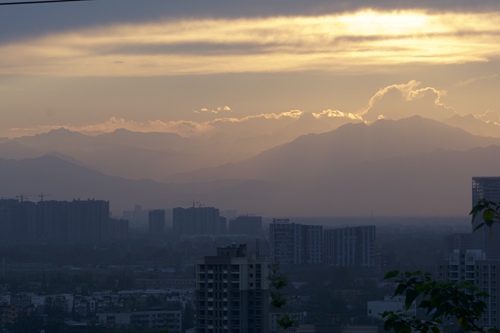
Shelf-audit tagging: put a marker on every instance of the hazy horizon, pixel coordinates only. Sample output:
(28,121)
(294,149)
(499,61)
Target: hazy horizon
(348,108)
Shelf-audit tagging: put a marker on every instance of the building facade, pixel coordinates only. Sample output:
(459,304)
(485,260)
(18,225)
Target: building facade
(232,292)
(156,223)
(475,258)
(198,221)
(487,239)
(144,320)
(64,222)
(249,225)
(350,246)
(295,244)
(473,266)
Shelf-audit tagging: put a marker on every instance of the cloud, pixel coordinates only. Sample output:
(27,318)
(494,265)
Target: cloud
(405,100)
(184,128)
(490,116)
(467,82)
(348,42)
(217,110)
(336,114)
(253,125)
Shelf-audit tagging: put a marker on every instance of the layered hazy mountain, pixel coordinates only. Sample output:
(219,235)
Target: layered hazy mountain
(411,167)
(158,155)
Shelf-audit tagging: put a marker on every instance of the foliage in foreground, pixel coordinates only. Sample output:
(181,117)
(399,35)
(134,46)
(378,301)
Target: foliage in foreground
(490,212)
(443,302)
(278,281)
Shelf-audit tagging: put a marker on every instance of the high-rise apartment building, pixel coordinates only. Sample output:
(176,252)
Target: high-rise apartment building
(295,244)
(350,246)
(232,292)
(156,223)
(198,221)
(250,225)
(487,239)
(485,187)
(77,221)
(473,267)
(475,258)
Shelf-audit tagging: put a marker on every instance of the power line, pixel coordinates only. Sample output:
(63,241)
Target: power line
(36,2)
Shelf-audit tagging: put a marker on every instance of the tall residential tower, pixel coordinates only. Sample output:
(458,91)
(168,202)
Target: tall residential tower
(487,239)
(232,292)
(295,244)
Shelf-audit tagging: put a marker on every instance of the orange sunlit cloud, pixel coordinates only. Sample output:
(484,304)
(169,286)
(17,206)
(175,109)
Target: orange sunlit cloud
(336,114)
(359,41)
(391,102)
(405,100)
(184,128)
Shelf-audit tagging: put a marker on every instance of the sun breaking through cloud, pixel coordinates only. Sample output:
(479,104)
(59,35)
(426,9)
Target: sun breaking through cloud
(350,42)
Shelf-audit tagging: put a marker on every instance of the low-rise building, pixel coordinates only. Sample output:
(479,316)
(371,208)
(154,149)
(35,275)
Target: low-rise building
(150,319)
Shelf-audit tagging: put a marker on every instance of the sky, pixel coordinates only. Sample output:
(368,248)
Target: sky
(188,66)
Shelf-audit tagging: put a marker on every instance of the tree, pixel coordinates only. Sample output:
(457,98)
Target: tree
(278,281)
(27,322)
(442,301)
(489,210)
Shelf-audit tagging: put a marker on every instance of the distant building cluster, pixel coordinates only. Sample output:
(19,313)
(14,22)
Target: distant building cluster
(128,309)
(59,222)
(207,221)
(198,221)
(89,222)
(299,244)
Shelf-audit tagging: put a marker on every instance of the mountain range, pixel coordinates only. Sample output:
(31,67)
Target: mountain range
(407,167)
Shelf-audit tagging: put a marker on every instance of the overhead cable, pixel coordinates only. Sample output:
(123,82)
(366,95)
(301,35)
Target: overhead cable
(34,2)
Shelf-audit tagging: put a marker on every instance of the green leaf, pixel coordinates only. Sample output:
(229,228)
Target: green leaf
(489,214)
(400,289)
(411,294)
(435,329)
(391,274)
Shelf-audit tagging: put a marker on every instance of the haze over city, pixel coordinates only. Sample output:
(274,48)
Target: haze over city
(215,85)
(254,167)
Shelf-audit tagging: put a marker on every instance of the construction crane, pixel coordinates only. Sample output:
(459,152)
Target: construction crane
(21,197)
(193,203)
(25,197)
(42,195)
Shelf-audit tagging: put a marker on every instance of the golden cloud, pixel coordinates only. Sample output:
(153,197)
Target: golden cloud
(405,100)
(216,110)
(348,42)
(336,114)
(184,128)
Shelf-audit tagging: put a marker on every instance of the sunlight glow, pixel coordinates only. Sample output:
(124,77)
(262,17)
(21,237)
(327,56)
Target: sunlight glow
(350,42)
(183,128)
